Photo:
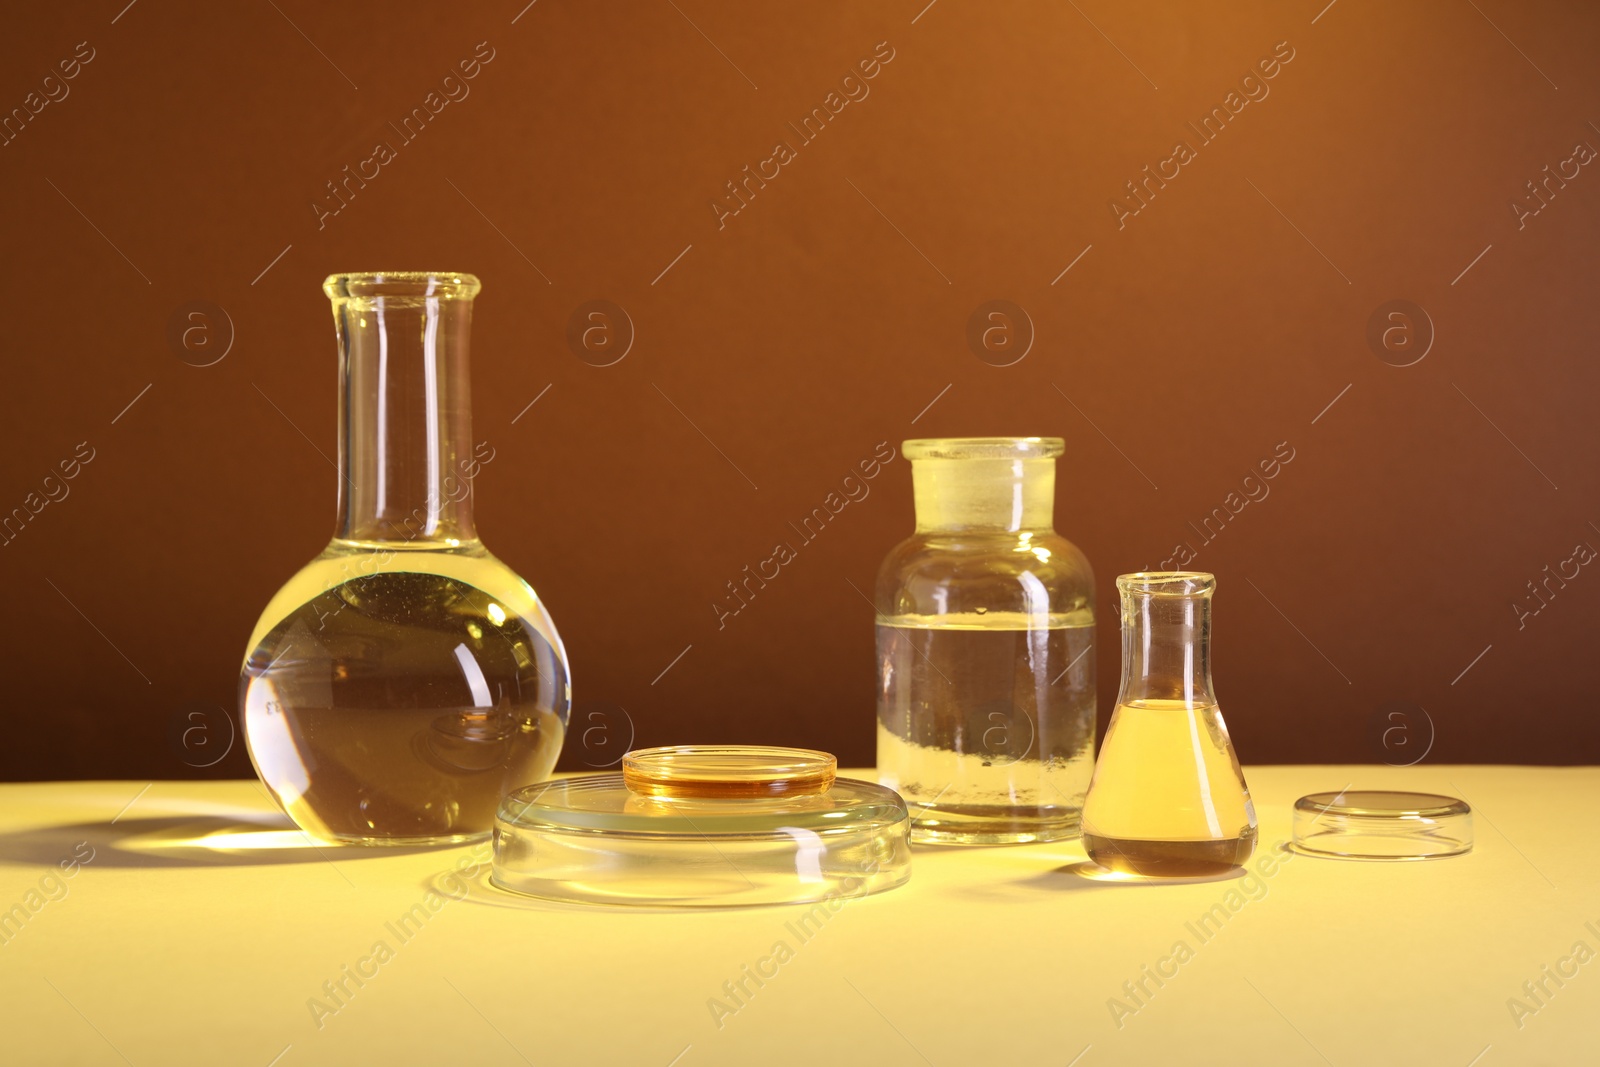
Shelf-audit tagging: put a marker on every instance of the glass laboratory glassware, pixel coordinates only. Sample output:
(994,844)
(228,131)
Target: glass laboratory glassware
(1382,824)
(404,680)
(1168,797)
(985,619)
(705,826)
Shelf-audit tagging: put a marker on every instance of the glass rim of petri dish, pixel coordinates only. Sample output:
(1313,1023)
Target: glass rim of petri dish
(727,771)
(364,287)
(1381,824)
(591,839)
(603,803)
(1168,583)
(983,448)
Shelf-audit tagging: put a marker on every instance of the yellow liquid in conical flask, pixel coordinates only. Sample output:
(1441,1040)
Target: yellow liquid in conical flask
(1168,798)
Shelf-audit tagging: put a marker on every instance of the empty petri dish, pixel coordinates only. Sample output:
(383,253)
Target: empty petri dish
(703,826)
(1379,824)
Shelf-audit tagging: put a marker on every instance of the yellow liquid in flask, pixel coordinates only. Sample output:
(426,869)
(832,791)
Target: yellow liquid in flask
(1168,798)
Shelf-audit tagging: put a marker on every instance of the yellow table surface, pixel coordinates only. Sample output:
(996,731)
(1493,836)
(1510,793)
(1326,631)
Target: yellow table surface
(163,950)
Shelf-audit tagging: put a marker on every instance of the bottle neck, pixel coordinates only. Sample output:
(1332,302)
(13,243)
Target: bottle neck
(984,494)
(1166,648)
(405,418)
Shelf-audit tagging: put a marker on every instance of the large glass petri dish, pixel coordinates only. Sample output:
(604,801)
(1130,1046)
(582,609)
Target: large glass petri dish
(704,826)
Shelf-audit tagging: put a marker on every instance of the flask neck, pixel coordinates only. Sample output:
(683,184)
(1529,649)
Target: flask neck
(984,494)
(1166,640)
(405,417)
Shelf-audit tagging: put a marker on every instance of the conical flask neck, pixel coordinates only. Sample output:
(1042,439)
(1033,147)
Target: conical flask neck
(1166,638)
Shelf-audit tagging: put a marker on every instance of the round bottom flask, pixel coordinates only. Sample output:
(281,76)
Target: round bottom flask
(704,826)
(400,684)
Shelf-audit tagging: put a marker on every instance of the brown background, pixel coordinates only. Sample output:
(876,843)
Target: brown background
(1222,320)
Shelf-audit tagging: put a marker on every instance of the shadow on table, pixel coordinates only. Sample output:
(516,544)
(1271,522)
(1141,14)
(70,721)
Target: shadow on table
(1089,871)
(1079,876)
(200,840)
(477,888)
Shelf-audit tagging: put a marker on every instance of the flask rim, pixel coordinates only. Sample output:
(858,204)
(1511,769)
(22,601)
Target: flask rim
(983,448)
(402,284)
(1167,583)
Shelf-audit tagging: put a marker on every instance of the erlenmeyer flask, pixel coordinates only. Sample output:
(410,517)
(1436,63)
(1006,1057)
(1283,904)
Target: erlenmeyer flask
(1168,797)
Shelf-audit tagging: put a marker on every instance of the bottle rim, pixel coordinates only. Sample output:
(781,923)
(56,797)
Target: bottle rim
(983,448)
(369,285)
(1167,583)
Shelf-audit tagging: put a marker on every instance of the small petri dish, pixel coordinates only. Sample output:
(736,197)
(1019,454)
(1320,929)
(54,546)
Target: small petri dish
(727,771)
(704,826)
(1377,824)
